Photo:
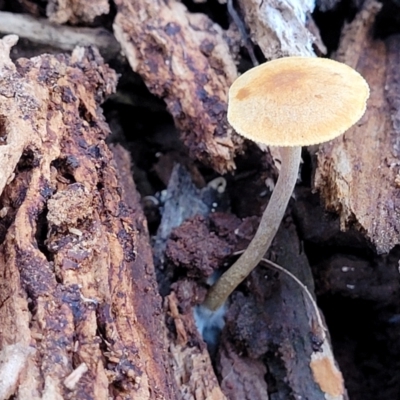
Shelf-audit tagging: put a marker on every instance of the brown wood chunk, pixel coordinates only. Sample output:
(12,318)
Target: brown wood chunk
(358,174)
(184,59)
(77,282)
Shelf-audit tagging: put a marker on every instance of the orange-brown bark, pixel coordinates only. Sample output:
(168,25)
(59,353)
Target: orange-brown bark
(184,59)
(79,305)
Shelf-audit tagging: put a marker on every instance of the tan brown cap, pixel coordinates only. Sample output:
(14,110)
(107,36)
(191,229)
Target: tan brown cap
(297,101)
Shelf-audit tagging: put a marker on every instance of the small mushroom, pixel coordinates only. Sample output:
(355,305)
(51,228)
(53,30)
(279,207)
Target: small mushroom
(289,102)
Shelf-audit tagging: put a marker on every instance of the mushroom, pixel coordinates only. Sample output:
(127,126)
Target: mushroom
(289,102)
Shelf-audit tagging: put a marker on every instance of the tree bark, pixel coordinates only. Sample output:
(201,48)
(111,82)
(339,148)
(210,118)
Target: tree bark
(184,59)
(358,174)
(79,307)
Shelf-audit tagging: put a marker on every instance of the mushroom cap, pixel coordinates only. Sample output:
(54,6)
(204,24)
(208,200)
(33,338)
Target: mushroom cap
(297,101)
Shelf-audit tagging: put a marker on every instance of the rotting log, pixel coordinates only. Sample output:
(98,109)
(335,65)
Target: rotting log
(184,59)
(270,323)
(79,307)
(274,322)
(358,174)
(270,327)
(183,201)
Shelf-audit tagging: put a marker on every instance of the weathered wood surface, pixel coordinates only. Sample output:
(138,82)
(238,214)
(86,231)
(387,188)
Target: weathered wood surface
(358,174)
(79,306)
(41,31)
(190,360)
(184,59)
(274,322)
(183,200)
(269,322)
(76,11)
(13,138)
(77,285)
(279,27)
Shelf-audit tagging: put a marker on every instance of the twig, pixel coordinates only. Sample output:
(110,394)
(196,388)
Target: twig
(43,32)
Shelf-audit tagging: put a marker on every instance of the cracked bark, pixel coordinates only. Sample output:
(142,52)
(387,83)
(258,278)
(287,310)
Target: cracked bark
(177,53)
(358,174)
(79,304)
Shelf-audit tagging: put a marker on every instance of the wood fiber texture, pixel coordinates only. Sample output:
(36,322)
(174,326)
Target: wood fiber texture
(76,11)
(184,59)
(279,27)
(79,306)
(41,31)
(190,360)
(358,174)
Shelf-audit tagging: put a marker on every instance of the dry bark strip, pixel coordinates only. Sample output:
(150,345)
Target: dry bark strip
(184,59)
(79,305)
(190,359)
(41,31)
(358,174)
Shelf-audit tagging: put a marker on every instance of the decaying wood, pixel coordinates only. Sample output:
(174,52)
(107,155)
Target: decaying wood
(184,59)
(192,367)
(76,11)
(145,293)
(241,376)
(13,136)
(191,362)
(275,323)
(77,284)
(279,27)
(183,200)
(358,174)
(41,31)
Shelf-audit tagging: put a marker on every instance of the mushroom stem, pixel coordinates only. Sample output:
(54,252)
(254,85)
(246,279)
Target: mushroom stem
(266,231)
